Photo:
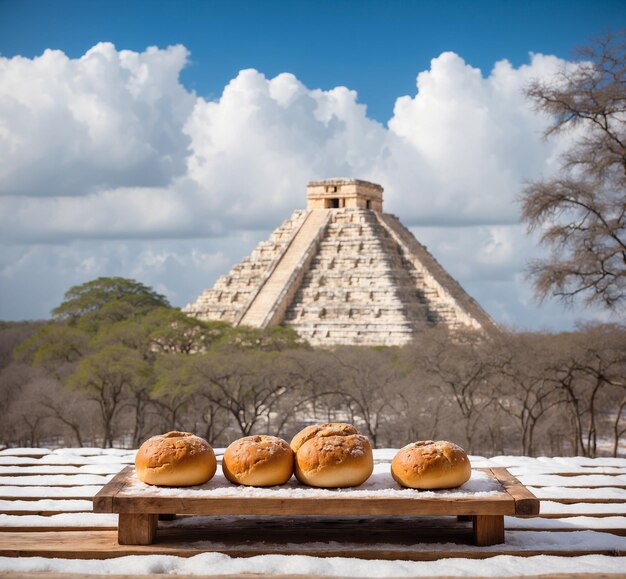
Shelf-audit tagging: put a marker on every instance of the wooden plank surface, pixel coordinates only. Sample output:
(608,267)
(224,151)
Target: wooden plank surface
(587,500)
(194,522)
(136,529)
(118,497)
(526,503)
(350,536)
(498,505)
(103,501)
(488,530)
(31,453)
(103,545)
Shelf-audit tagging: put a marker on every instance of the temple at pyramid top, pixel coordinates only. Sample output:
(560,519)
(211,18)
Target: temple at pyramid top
(342,272)
(344,194)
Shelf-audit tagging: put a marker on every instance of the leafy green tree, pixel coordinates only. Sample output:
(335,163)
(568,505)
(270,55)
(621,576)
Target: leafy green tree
(172,331)
(107,300)
(174,389)
(272,339)
(54,347)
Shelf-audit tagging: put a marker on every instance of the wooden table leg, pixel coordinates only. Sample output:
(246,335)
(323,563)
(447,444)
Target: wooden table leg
(136,529)
(488,530)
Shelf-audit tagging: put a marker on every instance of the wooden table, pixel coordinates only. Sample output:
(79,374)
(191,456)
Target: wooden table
(140,508)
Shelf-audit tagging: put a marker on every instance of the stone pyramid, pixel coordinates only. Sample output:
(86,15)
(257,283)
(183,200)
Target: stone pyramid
(342,272)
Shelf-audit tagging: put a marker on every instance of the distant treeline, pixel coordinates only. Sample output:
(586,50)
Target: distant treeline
(118,364)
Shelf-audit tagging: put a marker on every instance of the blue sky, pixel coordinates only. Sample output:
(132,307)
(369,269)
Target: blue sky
(373,47)
(168,164)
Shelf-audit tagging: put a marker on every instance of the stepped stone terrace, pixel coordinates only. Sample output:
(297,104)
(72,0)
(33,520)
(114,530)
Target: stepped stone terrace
(342,272)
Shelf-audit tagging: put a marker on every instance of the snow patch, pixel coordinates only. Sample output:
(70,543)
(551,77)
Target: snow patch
(54,480)
(61,520)
(219,564)
(380,484)
(46,505)
(47,492)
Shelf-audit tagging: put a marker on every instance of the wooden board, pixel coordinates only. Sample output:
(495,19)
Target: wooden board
(139,507)
(44,496)
(103,545)
(118,497)
(382,525)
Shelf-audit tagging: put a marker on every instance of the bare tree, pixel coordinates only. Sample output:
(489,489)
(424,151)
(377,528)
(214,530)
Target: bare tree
(603,365)
(65,408)
(581,213)
(525,390)
(368,381)
(619,429)
(456,365)
(245,384)
(421,408)
(586,363)
(106,377)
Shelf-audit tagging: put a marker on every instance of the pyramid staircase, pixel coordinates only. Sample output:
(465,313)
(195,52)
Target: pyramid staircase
(348,275)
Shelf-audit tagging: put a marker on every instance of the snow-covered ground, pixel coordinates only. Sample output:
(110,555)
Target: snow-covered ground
(212,564)
(36,481)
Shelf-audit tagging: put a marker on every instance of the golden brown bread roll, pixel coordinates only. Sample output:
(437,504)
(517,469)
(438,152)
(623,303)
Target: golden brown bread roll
(332,456)
(258,461)
(431,465)
(330,429)
(175,459)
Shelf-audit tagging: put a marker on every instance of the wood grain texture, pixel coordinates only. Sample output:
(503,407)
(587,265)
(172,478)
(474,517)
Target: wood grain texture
(590,500)
(118,497)
(103,544)
(136,529)
(589,513)
(526,503)
(488,530)
(499,505)
(103,501)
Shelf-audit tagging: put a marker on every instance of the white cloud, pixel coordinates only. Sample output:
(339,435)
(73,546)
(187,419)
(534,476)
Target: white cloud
(111,146)
(75,126)
(473,140)
(255,148)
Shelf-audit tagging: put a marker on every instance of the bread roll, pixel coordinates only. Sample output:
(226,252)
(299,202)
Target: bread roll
(431,465)
(258,461)
(332,456)
(175,459)
(330,429)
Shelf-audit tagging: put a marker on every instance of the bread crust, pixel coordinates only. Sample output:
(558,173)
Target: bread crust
(429,465)
(258,461)
(333,455)
(315,430)
(175,459)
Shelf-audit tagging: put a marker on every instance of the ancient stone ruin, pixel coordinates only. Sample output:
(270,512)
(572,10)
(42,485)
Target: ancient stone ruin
(342,272)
